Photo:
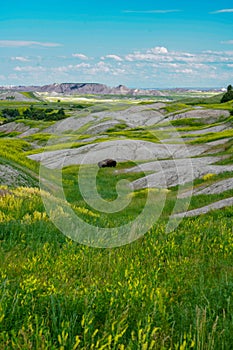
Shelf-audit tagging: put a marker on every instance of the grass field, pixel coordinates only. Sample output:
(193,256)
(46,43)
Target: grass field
(166,290)
(163,291)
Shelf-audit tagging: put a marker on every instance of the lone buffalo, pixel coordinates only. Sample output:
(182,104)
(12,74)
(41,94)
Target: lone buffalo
(107,163)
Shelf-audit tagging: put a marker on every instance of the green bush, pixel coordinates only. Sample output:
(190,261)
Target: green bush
(32,113)
(228,96)
(10,114)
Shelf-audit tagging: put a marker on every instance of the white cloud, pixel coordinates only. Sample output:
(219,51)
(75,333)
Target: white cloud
(81,56)
(114,57)
(158,49)
(170,65)
(23,43)
(223,11)
(154,54)
(169,68)
(151,11)
(103,67)
(71,67)
(161,55)
(62,69)
(139,56)
(82,65)
(20,59)
(30,69)
(184,71)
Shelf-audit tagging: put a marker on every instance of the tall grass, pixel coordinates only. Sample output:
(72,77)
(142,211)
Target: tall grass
(164,291)
(14,150)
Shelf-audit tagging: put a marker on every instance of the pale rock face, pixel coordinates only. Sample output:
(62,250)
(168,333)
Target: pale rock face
(12,177)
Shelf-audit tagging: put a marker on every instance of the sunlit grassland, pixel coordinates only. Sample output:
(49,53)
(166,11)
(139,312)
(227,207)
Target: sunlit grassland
(190,124)
(176,107)
(213,103)
(40,124)
(88,99)
(14,150)
(227,152)
(37,103)
(30,94)
(106,182)
(75,139)
(217,105)
(98,99)
(10,134)
(136,134)
(164,291)
(15,104)
(167,290)
(194,95)
(213,136)
(41,138)
(203,99)
(202,200)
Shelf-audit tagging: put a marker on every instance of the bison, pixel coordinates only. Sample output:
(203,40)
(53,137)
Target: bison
(107,163)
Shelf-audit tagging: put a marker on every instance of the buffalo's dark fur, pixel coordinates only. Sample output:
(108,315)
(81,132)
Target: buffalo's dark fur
(107,163)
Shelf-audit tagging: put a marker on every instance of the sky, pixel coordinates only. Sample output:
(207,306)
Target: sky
(140,44)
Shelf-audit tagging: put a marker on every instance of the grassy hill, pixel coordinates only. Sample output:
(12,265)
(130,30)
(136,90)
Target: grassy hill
(168,289)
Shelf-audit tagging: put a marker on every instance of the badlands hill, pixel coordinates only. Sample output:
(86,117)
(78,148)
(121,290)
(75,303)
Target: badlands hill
(172,287)
(177,144)
(85,88)
(95,88)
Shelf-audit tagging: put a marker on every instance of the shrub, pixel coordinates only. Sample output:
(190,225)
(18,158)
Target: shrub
(228,96)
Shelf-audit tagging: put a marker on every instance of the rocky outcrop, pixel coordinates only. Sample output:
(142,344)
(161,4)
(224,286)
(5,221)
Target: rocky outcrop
(85,88)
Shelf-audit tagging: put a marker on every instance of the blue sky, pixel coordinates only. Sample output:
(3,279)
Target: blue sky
(136,43)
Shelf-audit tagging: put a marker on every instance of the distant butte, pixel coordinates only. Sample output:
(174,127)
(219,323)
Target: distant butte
(86,88)
(98,89)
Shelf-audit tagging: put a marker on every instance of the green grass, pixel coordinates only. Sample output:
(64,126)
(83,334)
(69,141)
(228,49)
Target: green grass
(203,200)
(106,186)
(41,124)
(30,94)
(208,137)
(14,150)
(191,124)
(175,107)
(188,122)
(216,98)
(57,293)
(165,291)
(41,139)
(117,127)
(160,292)
(139,133)
(9,134)
(227,153)
(225,106)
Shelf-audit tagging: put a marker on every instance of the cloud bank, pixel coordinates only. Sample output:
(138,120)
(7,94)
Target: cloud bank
(23,43)
(152,67)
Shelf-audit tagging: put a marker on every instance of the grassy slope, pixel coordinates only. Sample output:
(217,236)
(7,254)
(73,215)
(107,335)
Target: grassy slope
(164,291)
